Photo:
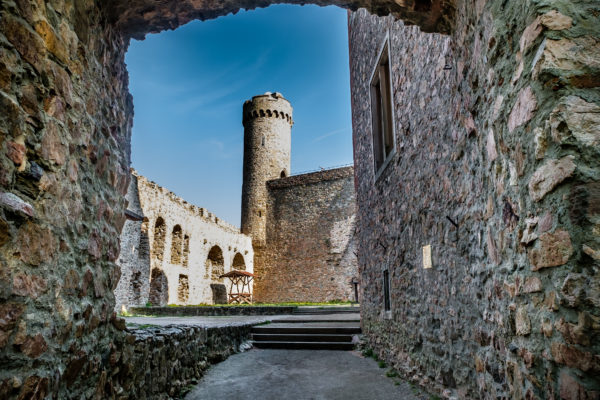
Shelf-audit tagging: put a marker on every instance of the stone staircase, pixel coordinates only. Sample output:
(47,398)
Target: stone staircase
(331,328)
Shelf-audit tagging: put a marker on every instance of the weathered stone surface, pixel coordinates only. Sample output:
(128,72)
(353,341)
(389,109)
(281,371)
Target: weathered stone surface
(34,388)
(575,117)
(554,249)
(556,21)
(549,175)
(29,285)
(575,358)
(9,315)
(36,244)
(570,389)
(15,204)
(34,346)
(523,110)
(26,41)
(16,152)
(573,56)
(522,322)
(532,284)
(52,147)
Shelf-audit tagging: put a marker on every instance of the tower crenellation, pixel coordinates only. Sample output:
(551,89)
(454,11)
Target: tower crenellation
(267,121)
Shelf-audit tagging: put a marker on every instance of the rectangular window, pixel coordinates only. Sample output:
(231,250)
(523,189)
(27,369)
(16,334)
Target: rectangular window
(381,112)
(386,290)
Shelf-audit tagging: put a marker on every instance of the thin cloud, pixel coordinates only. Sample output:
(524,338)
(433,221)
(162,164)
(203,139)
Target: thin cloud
(328,134)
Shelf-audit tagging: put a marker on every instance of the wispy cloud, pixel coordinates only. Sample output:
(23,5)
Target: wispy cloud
(328,134)
(222,85)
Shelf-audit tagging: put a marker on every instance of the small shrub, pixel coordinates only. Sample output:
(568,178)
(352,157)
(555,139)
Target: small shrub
(390,373)
(148,304)
(367,352)
(381,364)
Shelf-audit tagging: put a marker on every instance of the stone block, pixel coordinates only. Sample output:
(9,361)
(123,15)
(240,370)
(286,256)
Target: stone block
(15,204)
(549,175)
(36,244)
(523,110)
(577,118)
(554,249)
(522,322)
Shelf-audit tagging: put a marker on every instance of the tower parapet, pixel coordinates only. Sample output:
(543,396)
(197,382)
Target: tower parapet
(267,121)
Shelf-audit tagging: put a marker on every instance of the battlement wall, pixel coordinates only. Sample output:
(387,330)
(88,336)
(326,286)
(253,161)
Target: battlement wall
(311,177)
(179,247)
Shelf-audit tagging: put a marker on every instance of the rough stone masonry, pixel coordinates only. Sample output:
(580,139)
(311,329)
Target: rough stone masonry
(496,167)
(504,142)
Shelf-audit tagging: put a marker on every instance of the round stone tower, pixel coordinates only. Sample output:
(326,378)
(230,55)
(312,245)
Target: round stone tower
(267,121)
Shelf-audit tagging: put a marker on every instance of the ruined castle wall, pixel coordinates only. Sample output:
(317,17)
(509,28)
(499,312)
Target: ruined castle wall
(134,258)
(204,231)
(310,249)
(65,124)
(505,143)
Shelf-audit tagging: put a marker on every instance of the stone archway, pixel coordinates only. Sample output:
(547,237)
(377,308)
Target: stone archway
(215,264)
(238,262)
(159,288)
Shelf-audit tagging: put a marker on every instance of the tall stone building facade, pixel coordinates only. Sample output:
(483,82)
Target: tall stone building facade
(477,168)
(176,251)
(302,226)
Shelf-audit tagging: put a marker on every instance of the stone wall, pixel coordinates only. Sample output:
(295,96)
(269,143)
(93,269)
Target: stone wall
(162,361)
(65,125)
(204,249)
(134,259)
(310,249)
(497,167)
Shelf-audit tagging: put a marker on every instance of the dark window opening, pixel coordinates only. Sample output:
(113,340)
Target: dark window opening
(381,111)
(283,174)
(386,290)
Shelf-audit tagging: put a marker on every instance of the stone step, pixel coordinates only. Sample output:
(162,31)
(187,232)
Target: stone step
(302,321)
(304,345)
(299,329)
(311,337)
(325,310)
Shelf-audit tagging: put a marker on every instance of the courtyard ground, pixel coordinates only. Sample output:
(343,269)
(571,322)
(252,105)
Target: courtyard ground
(301,375)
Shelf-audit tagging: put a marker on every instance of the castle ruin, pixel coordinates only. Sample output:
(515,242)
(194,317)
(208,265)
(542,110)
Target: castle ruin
(297,233)
(477,179)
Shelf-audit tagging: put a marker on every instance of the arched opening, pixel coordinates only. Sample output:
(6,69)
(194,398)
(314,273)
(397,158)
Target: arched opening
(158,246)
(144,245)
(238,262)
(283,174)
(215,264)
(176,245)
(183,289)
(159,288)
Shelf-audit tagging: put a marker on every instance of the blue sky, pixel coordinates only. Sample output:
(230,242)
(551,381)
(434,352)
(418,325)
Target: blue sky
(189,86)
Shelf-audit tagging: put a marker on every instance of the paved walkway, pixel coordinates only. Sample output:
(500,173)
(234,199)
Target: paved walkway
(300,375)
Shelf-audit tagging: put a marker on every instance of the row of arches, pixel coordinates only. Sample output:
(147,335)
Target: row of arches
(161,279)
(180,243)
